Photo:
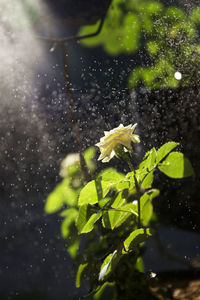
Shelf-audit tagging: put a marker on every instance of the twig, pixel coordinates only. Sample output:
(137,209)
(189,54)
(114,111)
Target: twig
(72,38)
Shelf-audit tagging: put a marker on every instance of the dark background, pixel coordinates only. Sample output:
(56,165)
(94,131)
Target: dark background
(35,135)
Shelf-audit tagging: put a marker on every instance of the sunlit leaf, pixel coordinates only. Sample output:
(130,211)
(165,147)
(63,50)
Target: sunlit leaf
(102,203)
(70,217)
(153,47)
(176,166)
(146,211)
(195,15)
(90,42)
(139,264)
(135,77)
(118,212)
(54,201)
(149,162)
(87,218)
(110,174)
(100,292)
(90,223)
(94,191)
(148,196)
(130,38)
(136,237)
(175,14)
(146,207)
(109,264)
(62,194)
(80,274)
(73,248)
(147,180)
(163,151)
(89,154)
(154,7)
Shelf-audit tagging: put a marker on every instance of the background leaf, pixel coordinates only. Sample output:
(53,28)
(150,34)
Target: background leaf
(80,274)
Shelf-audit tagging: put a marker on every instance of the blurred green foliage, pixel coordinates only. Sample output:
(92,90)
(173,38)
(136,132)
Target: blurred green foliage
(64,198)
(167,36)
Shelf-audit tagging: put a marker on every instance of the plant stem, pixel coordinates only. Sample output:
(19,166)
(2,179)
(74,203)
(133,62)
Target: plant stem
(137,187)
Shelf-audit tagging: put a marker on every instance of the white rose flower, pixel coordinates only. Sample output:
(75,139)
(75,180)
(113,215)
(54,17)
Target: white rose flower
(118,136)
(70,160)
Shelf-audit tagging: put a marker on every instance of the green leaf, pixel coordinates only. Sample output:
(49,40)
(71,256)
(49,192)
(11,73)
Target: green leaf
(115,218)
(127,184)
(80,274)
(111,218)
(89,194)
(146,211)
(128,210)
(165,150)
(54,201)
(118,212)
(100,293)
(97,189)
(148,196)
(139,264)
(176,166)
(148,180)
(90,223)
(109,262)
(94,191)
(89,154)
(150,160)
(132,28)
(146,207)
(73,248)
(62,194)
(195,15)
(110,174)
(136,237)
(70,218)
(104,202)
(154,7)
(87,218)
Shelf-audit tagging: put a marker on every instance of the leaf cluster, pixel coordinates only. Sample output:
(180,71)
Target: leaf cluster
(167,35)
(108,208)
(64,199)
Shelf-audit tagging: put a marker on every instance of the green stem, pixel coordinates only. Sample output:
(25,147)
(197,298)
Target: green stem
(137,187)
